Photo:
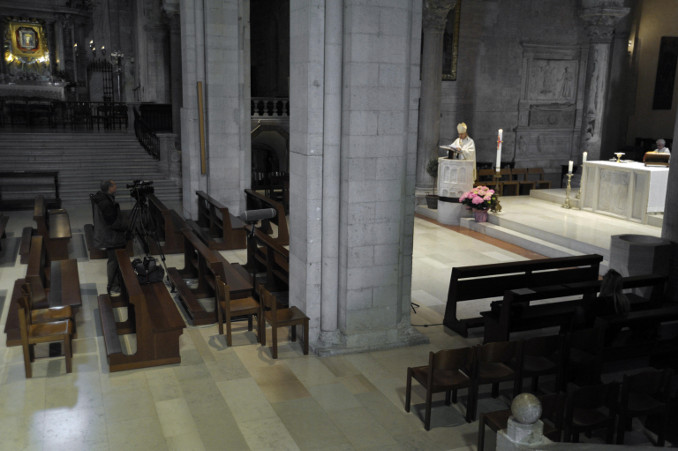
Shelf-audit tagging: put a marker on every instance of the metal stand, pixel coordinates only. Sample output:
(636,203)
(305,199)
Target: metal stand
(496,177)
(567,204)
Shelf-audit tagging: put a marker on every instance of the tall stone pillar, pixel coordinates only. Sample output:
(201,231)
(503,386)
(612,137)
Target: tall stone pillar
(600,17)
(433,24)
(670,224)
(171,9)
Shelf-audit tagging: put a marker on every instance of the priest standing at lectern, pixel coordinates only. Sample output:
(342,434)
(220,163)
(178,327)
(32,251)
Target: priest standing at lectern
(464,146)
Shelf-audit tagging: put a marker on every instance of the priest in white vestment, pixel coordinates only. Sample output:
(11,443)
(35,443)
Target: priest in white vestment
(464,146)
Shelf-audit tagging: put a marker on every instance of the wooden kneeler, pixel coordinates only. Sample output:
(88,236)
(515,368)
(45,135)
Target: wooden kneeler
(33,333)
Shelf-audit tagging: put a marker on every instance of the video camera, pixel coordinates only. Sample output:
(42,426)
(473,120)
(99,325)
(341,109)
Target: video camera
(139,189)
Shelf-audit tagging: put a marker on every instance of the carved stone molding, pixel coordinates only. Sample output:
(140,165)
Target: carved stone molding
(435,14)
(601,18)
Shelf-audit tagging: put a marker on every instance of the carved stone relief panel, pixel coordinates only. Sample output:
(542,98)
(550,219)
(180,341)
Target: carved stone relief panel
(552,116)
(552,80)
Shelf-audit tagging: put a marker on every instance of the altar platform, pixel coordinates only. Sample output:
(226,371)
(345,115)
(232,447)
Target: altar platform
(540,224)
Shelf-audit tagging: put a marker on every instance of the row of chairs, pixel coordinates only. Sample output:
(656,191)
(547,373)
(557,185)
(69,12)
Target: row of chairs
(590,408)
(514,181)
(566,357)
(266,309)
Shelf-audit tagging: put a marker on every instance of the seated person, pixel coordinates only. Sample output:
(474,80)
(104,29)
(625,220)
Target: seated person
(661,149)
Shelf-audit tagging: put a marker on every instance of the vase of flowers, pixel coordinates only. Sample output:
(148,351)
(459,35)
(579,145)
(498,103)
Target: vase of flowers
(481,199)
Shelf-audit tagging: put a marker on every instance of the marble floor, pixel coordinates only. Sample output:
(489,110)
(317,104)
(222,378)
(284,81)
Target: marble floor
(239,398)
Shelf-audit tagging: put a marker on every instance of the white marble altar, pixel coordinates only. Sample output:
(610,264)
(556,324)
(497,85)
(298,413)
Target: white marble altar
(627,189)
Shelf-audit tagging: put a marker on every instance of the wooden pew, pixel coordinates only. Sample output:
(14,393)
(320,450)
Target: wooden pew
(25,244)
(204,264)
(152,316)
(59,284)
(256,201)
(223,231)
(55,226)
(274,259)
(168,226)
(472,283)
(554,305)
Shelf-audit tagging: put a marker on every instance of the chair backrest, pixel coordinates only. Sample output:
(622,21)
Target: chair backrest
(34,291)
(451,359)
(553,408)
(518,172)
(591,397)
(655,383)
(538,171)
(498,352)
(545,346)
(223,290)
(268,300)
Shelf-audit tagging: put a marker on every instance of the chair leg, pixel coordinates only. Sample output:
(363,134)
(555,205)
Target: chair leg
(621,429)
(448,396)
(481,433)
(220,320)
(454,395)
(306,337)
(229,337)
(274,341)
(495,389)
(294,332)
(27,360)
(69,354)
(408,390)
(249,323)
(427,415)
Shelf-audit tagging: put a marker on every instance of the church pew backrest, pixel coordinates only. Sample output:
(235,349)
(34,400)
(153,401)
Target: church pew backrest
(257,201)
(470,283)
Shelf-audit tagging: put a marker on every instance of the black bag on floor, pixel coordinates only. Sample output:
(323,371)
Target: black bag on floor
(148,270)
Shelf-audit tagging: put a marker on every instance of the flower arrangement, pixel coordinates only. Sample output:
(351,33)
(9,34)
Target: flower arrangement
(481,198)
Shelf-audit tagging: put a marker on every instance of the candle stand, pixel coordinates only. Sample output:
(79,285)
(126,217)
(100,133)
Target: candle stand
(496,177)
(567,204)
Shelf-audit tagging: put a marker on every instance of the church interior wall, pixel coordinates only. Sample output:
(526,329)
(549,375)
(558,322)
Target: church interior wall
(657,18)
(491,79)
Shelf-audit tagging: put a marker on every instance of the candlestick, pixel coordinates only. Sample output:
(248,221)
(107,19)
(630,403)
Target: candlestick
(569,167)
(499,141)
(566,204)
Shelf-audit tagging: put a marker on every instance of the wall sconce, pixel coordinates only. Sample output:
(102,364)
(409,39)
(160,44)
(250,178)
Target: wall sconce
(103,50)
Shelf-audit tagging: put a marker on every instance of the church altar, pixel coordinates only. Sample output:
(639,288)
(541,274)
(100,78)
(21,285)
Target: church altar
(46,91)
(627,189)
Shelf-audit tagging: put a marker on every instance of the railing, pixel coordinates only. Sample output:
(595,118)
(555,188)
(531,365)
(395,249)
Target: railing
(146,136)
(270,107)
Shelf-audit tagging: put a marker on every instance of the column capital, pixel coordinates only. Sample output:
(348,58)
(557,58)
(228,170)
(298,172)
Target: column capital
(601,16)
(435,13)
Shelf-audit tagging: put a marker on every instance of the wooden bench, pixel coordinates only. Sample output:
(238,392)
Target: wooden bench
(25,244)
(478,282)
(58,284)
(19,188)
(222,230)
(55,226)
(168,226)
(152,316)
(204,264)
(554,305)
(642,333)
(256,201)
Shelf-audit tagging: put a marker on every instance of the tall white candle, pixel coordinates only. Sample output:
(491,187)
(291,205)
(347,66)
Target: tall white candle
(499,141)
(569,167)
(583,157)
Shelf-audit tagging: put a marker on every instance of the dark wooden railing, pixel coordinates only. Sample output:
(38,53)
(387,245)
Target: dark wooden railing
(146,135)
(40,112)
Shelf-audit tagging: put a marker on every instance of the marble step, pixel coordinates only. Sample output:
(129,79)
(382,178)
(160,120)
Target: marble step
(539,241)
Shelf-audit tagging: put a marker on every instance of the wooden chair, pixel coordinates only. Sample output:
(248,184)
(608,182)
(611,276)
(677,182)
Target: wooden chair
(524,185)
(541,356)
(228,308)
(552,417)
(590,408)
(494,363)
(48,332)
(646,393)
(447,371)
(508,186)
(45,315)
(539,174)
(485,177)
(271,313)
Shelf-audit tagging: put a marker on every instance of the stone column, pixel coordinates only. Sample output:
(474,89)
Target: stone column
(172,12)
(600,17)
(433,24)
(670,224)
